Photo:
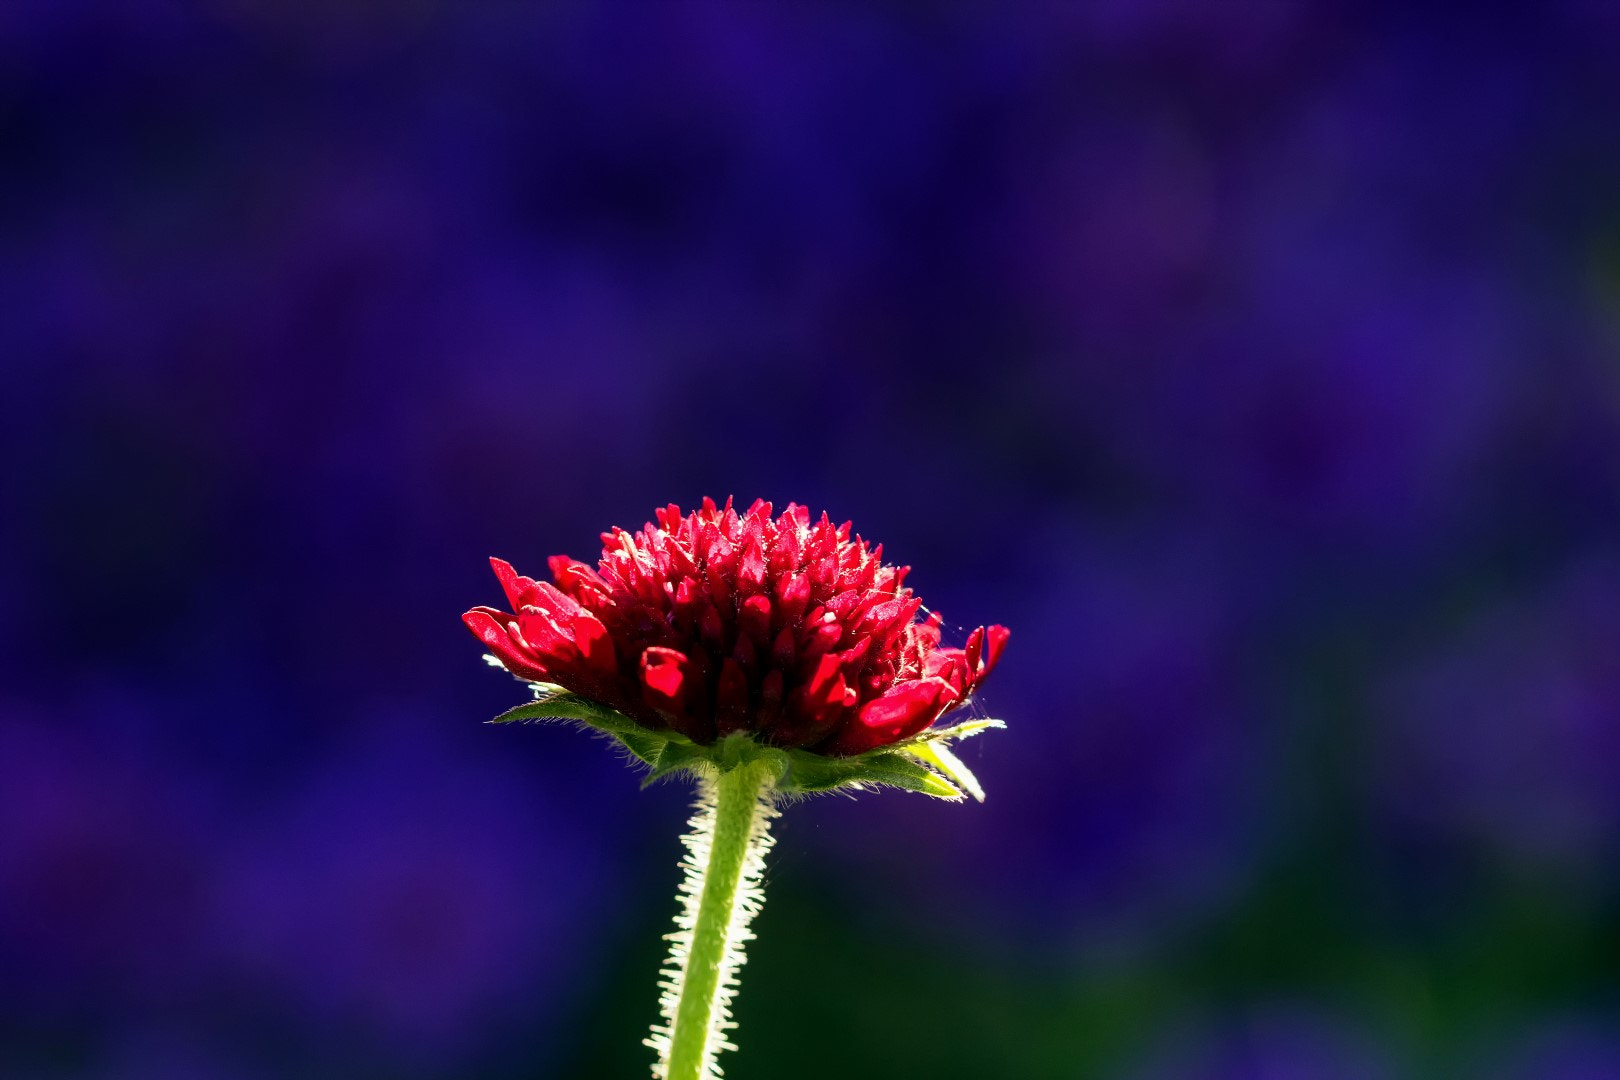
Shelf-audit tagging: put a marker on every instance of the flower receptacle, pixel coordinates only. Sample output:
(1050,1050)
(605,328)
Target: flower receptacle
(922,763)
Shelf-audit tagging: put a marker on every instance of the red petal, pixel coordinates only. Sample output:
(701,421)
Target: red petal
(782,652)
(815,707)
(745,653)
(686,599)
(555,602)
(487,628)
(770,688)
(949,666)
(518,588)
(754,619)
(793,596)
(826,637)
(981,667)
(731,698)
(663,679)
(899,714)
(711,626)
(561,564)
(998,636)
(579,581)
(544,635)
(975,643)
(770,701)
(827,684)
(751,568)
(928,632)
(594,644)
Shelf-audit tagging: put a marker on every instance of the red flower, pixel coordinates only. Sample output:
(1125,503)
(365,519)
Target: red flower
(716,622)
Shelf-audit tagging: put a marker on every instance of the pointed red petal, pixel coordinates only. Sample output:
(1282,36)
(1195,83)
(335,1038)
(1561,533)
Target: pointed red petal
(754,619)
(786,645)
(545,636)
(996,644)
(816,706)
(899,714)
(975,643)
(751,568)
(594,644)
(487,628)
(731,698)
(663,679)
(515,585)
(998,636)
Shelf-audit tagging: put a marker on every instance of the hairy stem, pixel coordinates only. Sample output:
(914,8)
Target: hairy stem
(725,854)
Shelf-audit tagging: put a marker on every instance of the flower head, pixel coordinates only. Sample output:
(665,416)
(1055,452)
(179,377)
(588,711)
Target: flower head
(715,623)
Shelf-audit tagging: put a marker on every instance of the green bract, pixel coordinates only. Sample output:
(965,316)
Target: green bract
(922,763)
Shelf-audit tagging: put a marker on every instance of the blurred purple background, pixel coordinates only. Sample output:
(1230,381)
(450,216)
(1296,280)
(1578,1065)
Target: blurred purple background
(1256,364)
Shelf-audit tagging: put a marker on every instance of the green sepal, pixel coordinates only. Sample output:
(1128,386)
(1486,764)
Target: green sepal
(921,763)
(678,755)
(954,733)
(645,746)
(555,703)
(884,767)
(937,756)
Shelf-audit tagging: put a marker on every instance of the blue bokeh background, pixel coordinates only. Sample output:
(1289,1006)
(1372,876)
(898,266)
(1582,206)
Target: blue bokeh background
(1255,363)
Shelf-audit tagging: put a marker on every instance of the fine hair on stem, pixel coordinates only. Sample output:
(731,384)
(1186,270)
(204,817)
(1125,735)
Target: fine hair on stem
(726,843)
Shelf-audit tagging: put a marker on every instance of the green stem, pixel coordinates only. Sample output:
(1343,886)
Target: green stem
(725,855)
